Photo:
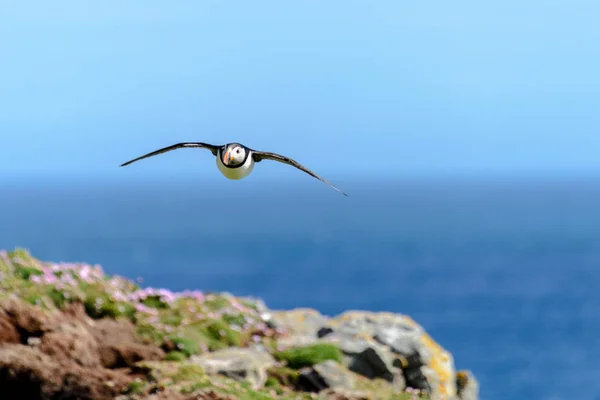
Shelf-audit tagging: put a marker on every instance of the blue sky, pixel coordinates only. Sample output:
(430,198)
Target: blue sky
(395,88)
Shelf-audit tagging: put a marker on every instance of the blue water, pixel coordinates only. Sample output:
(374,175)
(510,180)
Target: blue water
(505,275)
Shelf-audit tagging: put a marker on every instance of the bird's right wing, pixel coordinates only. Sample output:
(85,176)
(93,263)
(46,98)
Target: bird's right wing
(213,149)
(265,155)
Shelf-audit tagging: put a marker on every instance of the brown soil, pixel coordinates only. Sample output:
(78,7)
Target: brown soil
(67,355)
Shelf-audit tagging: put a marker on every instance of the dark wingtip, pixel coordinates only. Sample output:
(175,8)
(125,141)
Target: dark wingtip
(341,191)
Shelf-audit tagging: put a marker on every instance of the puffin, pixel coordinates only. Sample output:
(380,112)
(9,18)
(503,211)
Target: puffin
(235,160)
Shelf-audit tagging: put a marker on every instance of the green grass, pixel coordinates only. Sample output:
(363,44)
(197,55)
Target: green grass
(175,356)
(309,355)
(25,273)
(187,347)
(154,302)
(135,387)
(98,304)
(284,376)
(188,372)
(215,334)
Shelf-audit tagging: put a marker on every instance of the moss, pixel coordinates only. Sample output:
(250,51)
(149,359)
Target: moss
(214,333)
(187,347)
(284,376)
(154,302)
(243,390)
(58,297)
(270,343)
(221,332)
(188,372)
(309,355)
(190,388)
(135,387)
(150,333)
(272,384)
(171,317)
(20,253)
(175,356)
(234,319)
(249,304)
(216,303)
(35,299)
(100,305)
(249,394)
(23,272)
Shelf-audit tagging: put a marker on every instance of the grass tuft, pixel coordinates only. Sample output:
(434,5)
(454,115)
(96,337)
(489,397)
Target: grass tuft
(307,356)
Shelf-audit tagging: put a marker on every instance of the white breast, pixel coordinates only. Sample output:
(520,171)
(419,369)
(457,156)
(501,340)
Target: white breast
(236,173)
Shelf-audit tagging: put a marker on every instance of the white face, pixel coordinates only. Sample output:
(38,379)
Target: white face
(234,155)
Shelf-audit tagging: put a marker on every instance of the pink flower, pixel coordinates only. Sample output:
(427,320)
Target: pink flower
(144,309)
(68,279)
(238,306)
(192,294)
(49,279)
(119,296)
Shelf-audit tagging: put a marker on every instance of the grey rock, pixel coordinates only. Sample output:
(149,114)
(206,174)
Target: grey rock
(237,363)
(296,341)
(324,332)
(372,363)
(261,308)
(422,378)
(365,357)
(300,321)
(325,375)
(399,382)
(395,348)
(402,340)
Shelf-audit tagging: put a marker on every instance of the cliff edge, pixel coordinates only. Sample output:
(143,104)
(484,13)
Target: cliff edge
(69,331)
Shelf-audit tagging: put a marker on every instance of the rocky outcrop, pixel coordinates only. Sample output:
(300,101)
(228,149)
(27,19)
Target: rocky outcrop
(246,364)
(382,345)
(325,375)
(67,331)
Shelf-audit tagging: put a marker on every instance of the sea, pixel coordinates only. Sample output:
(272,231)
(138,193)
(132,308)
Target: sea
(503,273)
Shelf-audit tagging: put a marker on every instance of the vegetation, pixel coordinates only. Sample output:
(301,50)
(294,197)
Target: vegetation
(183,324)
(309,355)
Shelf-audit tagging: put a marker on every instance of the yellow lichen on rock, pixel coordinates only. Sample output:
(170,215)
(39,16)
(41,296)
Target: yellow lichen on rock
(442,363)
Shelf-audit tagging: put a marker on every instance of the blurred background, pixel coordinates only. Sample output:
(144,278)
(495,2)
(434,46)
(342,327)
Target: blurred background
(466,133)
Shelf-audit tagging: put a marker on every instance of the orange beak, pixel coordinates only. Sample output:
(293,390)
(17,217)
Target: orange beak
(226,157)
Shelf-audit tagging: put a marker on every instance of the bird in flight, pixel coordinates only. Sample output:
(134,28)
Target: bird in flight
(234,160)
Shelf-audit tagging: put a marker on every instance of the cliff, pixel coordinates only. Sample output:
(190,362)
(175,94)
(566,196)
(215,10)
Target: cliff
(69,331)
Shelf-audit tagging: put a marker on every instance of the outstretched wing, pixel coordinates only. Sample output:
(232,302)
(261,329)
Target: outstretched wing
(210,147)
(263,155)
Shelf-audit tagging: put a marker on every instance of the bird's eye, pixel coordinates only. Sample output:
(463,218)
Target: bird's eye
(238,151)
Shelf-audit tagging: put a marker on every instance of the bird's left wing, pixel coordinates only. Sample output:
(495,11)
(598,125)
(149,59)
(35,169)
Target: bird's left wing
(263,155)
(212,148)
